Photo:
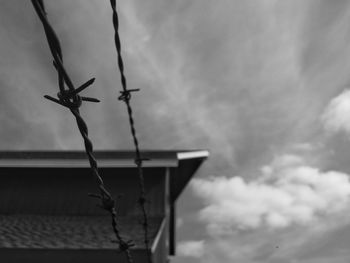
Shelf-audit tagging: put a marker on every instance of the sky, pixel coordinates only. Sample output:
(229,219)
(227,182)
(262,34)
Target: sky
(264,85)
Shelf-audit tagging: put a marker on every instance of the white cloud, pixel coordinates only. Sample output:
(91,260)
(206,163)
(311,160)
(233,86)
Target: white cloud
(284,161)
(337,114)
(191,248)
(288,192)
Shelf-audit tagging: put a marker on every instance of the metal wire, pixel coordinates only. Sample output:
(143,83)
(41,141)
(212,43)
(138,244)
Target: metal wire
(71,99)
(126,96)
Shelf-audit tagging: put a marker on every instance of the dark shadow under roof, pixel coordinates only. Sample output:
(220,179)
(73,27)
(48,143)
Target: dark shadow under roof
(183,163)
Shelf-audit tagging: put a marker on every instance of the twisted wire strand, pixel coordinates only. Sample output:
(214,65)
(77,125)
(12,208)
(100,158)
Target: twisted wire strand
(126,96)
(70,99)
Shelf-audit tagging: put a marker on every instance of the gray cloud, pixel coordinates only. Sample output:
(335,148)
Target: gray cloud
(245,79)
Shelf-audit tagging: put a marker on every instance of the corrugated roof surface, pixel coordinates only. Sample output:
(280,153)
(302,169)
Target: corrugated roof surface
(70,232)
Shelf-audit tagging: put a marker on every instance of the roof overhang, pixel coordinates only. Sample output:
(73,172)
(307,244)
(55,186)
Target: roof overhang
(106,159)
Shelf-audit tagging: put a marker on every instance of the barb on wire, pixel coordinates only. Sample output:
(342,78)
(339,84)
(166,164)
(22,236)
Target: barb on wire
(126,96)
(71,99)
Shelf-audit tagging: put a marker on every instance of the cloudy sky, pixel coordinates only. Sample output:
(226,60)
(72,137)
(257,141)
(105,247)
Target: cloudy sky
(262,84)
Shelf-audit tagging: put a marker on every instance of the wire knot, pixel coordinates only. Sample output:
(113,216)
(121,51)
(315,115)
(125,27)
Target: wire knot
(71,98)
(107,202)
(126,94)
(139,161)
(125,245)
(142,200)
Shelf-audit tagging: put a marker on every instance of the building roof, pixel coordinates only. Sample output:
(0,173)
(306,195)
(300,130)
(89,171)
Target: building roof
(106,159)
(181,166)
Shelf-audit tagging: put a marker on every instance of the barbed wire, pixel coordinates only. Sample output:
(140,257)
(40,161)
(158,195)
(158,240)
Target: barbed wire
(125,97)
(71,99)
